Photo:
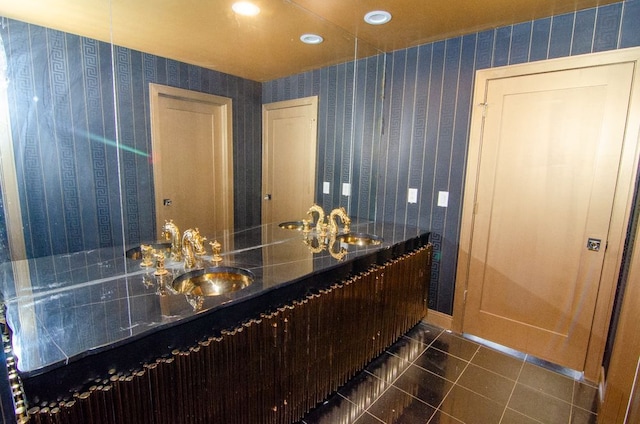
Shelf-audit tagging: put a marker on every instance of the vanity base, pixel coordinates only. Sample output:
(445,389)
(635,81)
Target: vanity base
(271,369)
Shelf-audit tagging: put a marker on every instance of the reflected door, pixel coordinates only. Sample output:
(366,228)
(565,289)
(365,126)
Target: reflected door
(289,159)
(192,159)
(544,190)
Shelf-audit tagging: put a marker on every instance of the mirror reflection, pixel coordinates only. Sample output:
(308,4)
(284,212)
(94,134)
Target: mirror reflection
(79,121)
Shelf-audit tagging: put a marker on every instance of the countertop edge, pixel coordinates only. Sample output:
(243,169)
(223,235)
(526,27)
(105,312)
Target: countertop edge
(76,374)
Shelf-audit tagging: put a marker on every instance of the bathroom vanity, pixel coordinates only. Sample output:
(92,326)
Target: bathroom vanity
(102,337)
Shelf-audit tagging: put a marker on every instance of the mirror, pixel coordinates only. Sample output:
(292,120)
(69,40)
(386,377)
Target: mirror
(78,113)
(60,124)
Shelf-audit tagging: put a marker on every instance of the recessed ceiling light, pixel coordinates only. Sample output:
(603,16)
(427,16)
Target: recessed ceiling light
(377,17)
(311,39)
(245,8)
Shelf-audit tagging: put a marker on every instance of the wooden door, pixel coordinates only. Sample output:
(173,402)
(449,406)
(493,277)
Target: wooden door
(192,159)
(541,185)
(289,159)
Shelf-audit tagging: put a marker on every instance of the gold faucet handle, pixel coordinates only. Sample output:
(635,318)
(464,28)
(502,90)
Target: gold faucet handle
(216,248)
(147,253)
(160,269)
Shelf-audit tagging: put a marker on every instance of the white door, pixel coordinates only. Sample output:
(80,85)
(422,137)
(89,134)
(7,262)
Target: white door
(541,183)
(192,159)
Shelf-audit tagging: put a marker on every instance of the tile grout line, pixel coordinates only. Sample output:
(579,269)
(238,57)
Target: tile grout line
(515,384)
(413,363)
(573,398)
(454,384)
(390,383)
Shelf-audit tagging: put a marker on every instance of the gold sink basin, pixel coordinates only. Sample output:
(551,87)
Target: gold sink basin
(213,281)
(293,225)
(135,253)
(359,239)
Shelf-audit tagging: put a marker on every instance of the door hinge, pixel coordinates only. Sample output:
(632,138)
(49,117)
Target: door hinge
(464,297)
(484,109)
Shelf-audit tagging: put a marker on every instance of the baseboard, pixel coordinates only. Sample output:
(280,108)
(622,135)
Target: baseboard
(439,319)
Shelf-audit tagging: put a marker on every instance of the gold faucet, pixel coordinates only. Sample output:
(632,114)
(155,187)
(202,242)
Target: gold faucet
(346,221)
(320,223)
(192,246)
(171,232)
(341,253)
(309,242)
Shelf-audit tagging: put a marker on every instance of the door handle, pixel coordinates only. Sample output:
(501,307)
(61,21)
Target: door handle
(267,197)
(167,202)
(593,244)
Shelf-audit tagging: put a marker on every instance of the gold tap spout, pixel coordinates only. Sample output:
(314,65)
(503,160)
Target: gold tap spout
(171,232)
(192,246)
(321,215)
(346,221)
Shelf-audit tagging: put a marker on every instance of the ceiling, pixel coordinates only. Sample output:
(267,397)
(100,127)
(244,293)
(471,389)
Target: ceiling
(266,46)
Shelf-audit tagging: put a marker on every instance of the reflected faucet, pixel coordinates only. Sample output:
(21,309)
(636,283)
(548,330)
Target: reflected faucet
(346,221)
(320,223)
(216,247)
(192,246)
(171,232)
(341,253)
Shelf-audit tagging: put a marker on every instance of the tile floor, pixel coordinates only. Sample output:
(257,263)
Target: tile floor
(435,376)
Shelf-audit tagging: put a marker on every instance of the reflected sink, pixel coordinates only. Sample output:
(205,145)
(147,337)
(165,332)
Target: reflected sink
(213,281)
(136,253)
(359,239)
(293,225)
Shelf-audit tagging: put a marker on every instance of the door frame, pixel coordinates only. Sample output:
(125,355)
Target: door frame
(267,182)
(622,204)
(224,105)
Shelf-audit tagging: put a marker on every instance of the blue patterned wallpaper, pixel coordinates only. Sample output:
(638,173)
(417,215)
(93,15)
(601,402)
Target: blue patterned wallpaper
(427,107)
(63,119)
(425,120)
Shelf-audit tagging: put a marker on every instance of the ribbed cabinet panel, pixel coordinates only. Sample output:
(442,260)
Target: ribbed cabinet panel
(272,369)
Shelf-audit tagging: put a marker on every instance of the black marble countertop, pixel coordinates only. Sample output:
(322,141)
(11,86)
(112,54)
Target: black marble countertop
(64,308)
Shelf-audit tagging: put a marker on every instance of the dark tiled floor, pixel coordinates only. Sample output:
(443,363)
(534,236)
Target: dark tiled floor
(437,377)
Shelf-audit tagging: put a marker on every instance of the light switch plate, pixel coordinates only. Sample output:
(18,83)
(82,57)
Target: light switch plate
(413,195)
(346,189)
(443,199)
(326,187)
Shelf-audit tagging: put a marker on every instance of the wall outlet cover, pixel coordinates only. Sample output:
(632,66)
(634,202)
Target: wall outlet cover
(413,195)
(443,199)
